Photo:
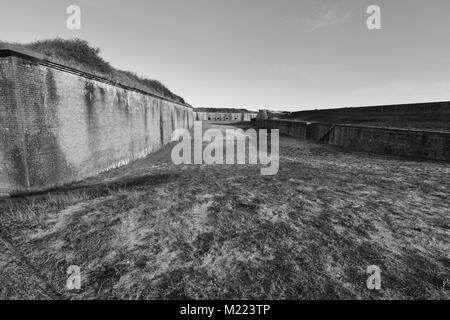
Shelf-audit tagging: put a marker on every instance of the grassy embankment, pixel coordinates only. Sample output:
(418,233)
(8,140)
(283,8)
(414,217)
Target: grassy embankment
(81,55)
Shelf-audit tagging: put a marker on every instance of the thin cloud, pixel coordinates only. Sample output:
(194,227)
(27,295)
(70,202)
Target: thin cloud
(293,71)
(325,16)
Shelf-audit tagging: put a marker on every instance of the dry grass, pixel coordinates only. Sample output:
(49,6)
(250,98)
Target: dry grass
(160,231)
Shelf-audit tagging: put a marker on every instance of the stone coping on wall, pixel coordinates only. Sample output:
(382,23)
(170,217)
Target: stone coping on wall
(10,50)
(425,104)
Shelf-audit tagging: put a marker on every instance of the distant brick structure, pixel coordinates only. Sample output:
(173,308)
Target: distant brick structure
(224,116)
(60,125)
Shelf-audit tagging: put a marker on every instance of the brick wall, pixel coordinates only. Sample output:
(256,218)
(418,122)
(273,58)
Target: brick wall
(397,142)
(57,127)
(12,165)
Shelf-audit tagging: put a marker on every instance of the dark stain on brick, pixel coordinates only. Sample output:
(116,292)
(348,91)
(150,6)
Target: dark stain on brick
(122,102)
(16,157)
(52,91)
(89,98)
(119,97)
(146,118)
(102,94)
(126,104)
(172,119)
(179,114)
(91,115)
(161,123)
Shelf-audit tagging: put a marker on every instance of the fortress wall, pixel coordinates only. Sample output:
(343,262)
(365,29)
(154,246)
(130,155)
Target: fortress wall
(397,142)
(428,116)
(57,126)
(432,110)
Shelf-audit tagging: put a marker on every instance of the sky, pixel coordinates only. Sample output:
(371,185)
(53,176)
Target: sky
(277,54)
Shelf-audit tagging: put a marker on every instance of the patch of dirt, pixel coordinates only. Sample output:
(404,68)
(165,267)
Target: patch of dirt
(154,230)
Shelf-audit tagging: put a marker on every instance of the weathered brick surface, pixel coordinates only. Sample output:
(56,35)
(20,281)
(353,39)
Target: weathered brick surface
(398,142)
(12,165)
(57,127)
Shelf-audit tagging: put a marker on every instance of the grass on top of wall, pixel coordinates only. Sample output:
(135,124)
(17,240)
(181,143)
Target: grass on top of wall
(80,54)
